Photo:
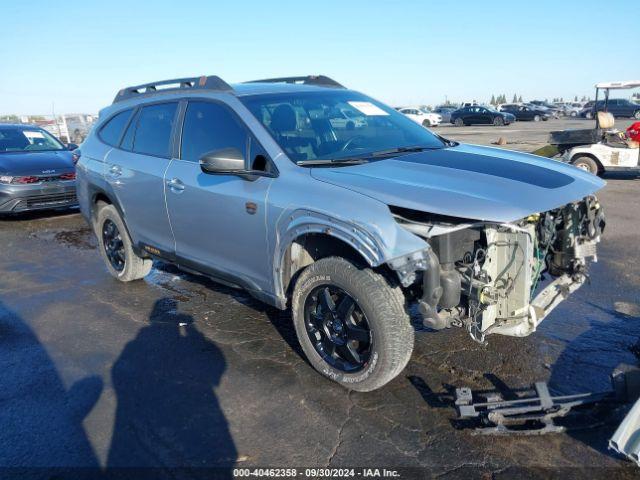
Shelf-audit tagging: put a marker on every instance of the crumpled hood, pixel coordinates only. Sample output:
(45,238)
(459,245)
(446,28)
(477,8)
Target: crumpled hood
(36,163)
(467,181)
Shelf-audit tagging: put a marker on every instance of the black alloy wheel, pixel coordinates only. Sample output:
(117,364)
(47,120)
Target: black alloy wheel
(113,245)
(337,328)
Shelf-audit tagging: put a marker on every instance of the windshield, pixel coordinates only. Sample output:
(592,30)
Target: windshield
(27,139)
(306,126)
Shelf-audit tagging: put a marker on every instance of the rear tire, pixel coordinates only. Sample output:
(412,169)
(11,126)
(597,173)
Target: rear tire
(458,122)
(636,114)
(574,114)
(586,163)
(379,306)
(588,115)
(116,247)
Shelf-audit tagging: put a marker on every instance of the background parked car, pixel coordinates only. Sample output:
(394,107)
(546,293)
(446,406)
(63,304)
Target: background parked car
(421,116)
(36,170)
(480,115)
(445,112)
(526,112)
(551,109)
(618,107)
(341,118)
(573,109)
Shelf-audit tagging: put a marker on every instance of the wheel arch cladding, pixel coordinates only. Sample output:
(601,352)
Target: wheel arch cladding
(310,236)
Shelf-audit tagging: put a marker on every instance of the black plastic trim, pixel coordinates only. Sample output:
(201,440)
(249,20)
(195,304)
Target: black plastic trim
(319,80)
(212,82)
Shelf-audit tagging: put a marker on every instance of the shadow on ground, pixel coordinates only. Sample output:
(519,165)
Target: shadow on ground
(168,415)
(40,419)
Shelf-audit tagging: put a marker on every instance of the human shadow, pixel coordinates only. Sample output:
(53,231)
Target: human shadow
(168,422)
(41,432)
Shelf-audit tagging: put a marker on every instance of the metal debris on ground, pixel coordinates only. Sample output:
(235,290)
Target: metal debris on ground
(535,411)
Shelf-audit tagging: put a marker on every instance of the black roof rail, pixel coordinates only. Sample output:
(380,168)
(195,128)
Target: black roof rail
(319,80)
(212,82)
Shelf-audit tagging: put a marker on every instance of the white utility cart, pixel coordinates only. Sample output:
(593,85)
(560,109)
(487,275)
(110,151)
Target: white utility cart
(600,149)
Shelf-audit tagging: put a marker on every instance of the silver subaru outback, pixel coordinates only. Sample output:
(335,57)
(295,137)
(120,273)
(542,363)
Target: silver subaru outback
(253,185)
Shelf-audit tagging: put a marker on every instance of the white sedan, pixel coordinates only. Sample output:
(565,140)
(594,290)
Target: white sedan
(422,117)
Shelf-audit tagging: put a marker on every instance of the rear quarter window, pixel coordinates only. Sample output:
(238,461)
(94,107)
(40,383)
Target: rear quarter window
(111,132)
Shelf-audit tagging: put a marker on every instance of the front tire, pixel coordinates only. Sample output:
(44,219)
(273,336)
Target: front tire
(586,163)
(636,114)
(498,121)
(352,324)
(536,118)
(116,247)
(426,123)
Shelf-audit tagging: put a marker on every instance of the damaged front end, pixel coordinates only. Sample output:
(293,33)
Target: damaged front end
(490,277)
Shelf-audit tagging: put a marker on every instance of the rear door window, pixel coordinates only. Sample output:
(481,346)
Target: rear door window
(111,132)
(153,129)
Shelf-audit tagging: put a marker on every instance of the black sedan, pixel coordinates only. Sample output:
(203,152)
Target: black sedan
(618,107)
(36,171)
(480,115)
(526,112)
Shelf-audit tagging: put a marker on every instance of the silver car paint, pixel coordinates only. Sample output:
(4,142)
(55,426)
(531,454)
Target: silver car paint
(456,193)
(349,203)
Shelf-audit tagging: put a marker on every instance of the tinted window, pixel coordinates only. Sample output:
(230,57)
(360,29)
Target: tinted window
(153,132)
(127,140)
(210,126)
(112,131)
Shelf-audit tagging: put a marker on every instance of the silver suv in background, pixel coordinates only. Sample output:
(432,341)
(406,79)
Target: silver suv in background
(253,185)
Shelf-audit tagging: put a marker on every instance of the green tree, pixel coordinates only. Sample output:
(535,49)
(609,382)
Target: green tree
(575,99)
(515,98)
(493,100)
(520,99)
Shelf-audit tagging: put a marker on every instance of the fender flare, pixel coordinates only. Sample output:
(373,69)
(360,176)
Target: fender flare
(94,193)
(302,222)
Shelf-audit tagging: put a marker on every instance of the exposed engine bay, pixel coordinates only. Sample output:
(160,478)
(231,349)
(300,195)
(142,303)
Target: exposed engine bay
(499,278)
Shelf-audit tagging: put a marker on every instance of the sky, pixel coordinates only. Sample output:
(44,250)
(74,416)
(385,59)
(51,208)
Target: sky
(73,56)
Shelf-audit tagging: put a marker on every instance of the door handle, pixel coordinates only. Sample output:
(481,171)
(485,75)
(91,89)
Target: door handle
(176,185)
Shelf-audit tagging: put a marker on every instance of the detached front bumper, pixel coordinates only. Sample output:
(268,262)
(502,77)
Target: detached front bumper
(23,198)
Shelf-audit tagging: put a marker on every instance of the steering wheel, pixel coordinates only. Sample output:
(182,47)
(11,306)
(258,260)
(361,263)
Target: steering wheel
(349,142)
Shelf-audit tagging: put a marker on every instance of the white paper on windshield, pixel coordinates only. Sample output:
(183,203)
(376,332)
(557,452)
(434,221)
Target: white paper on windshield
(32,134)
(367,108)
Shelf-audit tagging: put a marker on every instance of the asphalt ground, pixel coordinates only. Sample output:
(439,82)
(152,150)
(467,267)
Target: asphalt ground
(178,377)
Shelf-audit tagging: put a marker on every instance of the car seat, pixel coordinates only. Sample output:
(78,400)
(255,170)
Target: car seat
(284,122)
(605,120)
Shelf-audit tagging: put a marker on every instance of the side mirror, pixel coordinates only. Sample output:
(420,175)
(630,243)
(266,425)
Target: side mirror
(225,160)
(72,146)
